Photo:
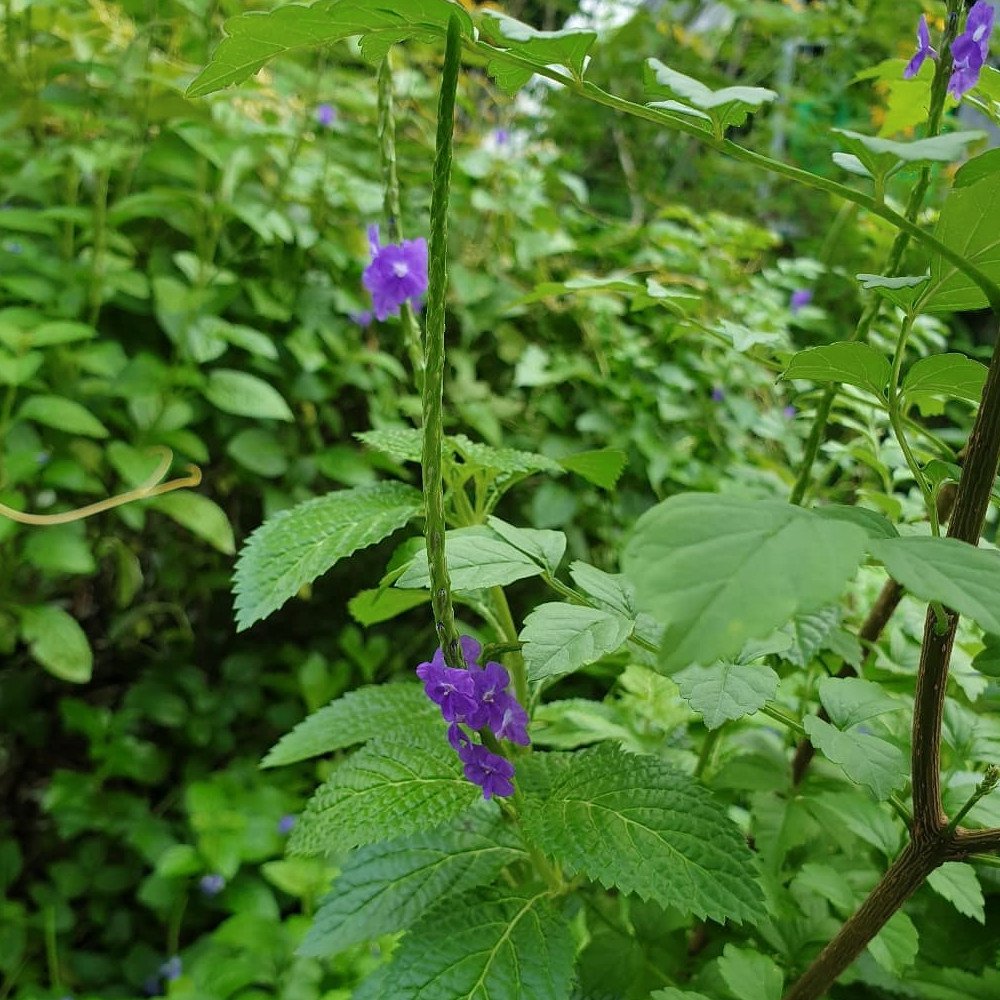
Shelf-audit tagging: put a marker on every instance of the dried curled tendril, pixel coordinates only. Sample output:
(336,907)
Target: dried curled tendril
(151,488)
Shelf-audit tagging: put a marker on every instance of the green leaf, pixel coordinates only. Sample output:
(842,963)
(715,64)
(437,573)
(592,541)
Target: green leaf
(726,107)
(895,946)
(611,591)
(969,224)
(672,993)
(865,759)
(201,516)
(848,362)
(750,975)
(245,395)
(62,415)
(634,823)
(256,38)
(726,691)
(900,291)
(546,547)
(359,716)
(874,524)
(60,332)
(500,461)
(850,701)
(477,559)
(987,660)
(958,575)
(568,47)
(602,467)
(402,444)
(560,638)
(497,944)
(383,604)
(296,546)
(259,451)
(719,570)
(386,887)
(959,884)
(947,375)
(389,788)
(879,156)
(809,634)
(57,642)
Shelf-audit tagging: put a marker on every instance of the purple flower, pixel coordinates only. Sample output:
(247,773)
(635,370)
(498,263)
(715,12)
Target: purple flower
(718,394)
(501,136)
(285,824)
(212,885)
(513,722)
(363,318)
(453,690)
(801,297)
(482,767)
(326,115)
(924,50)
(397,273)
(971,49)
(789,412)
(172,968)
(12,246)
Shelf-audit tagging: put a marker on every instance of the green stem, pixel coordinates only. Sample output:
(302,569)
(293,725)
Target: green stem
(708,746)
(515,659)
(990,781)
(433,392)
(52,949)
(393,209)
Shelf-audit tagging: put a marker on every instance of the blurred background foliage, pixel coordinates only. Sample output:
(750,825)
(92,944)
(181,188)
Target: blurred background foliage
(186,275)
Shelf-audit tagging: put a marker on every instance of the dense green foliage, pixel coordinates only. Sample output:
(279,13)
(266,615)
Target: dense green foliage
(181,269)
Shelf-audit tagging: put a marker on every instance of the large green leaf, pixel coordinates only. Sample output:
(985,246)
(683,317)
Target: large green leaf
(719,570)
(498,944)
(750,975)
(545,547)
(947,375)
(201,516)
(57,642)
(851,363)
(360,715)
(560,638)
(245,395)
(849,701)
(959,884)
(634,823)
(63,415)
(385,887)
(865,759)
(568,47)
(478,558)
(254,39)
(880,156)
(958,575)
(295,546)
(726,691)
(390,788)
(969,224)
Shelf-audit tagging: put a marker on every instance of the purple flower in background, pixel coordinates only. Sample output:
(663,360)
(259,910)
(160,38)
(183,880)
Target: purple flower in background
(801,297)
(212,885)
(718,394)
(483,767)
(286,824)
(12,246)
(172,968)
(501,136)
(789,412)
(151,986)
(971,49)
(397,273)
(363,318)
(924,50)
(326,115)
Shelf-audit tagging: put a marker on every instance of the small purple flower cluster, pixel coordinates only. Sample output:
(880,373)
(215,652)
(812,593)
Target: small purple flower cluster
(478,698)
(801,297)
(397,273)
(211,885)
(969,51)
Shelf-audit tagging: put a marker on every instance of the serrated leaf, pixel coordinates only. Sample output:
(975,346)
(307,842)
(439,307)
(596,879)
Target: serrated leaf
(245,395)
(560,638)
(62,415)
(808,634)
(955,573)
(546,547)
(256,38)
(508,461)
(602,468)
(865,759)
(609,590)
(478,558)
(900,291)
(720,570)
(850,701)
(750,975)
(947,375)
(959,884)
(568,47)
(57,642)
(201,516)
(402,444)
(498,944)
(848,362)
(360,715)
(969,224)
(509,77)
(896,944)
(383,604)
(389,788)
(634,823)
(295,546)
(385,887)
(726,691)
